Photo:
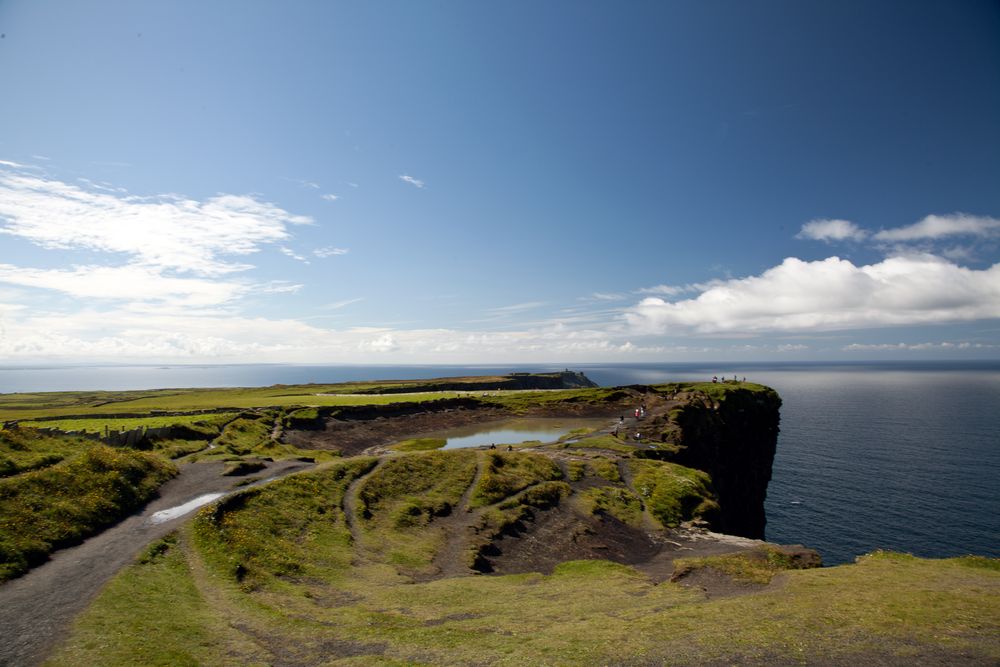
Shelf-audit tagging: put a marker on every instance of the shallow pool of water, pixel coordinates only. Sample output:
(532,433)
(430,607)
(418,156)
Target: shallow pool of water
(515,431)
(180,510)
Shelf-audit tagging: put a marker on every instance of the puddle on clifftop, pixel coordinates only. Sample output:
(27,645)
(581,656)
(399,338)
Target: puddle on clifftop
(180,510)
(515,431)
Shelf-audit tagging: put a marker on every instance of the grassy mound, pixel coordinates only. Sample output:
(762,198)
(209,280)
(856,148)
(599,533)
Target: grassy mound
(43,510)
(505,474)
(672,492)
(23,449)
(293,528)
(419,444)
(404,495)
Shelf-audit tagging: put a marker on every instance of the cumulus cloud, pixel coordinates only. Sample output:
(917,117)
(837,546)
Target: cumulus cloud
(831,230)
(384,343)
(829,295)
(412,181)
(330,197)
(169,232)
(941,226)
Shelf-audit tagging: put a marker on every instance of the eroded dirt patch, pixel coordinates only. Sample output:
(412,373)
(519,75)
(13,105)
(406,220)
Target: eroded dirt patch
(556,535)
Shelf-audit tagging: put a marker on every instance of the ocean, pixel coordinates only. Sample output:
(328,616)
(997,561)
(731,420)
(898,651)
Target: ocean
(902,456)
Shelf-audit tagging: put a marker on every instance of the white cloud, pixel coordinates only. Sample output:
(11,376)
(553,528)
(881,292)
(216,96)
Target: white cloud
(278,287)
(168,232)
(383,343)
(330,197)
(330,251)
(831,230)
(665,290)
(941,226)
(828,295)
(516,307)
(8,163)
(918,347)
(291,253)
(412,181)
(131,282)
(337,305)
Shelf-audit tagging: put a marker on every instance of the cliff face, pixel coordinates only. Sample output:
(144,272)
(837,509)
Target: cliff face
(732,435)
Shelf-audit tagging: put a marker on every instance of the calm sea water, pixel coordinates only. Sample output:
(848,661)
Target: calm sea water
(870,456)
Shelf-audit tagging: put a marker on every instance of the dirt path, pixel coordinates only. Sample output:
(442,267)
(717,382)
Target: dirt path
(36,610)
(450,560)
(350,508)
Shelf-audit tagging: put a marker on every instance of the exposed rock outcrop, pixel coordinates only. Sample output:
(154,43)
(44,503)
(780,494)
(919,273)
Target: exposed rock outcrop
(732,436)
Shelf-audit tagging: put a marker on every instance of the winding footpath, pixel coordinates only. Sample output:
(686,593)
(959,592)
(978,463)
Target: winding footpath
(37,609)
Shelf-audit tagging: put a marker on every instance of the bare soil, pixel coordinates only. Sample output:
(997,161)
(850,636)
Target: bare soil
(372,436)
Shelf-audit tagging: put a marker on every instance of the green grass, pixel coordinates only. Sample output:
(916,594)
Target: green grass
(401,499)
(607,442)
(886,607)
(752,567)
(292,529)
(524,401)
(170,609)
(604,468)
(419,444)
(207,423)
(504,474)
(245,435)
(43,510)
(22,450)
(615,501)
(94,404)
(250,436)
(673,493)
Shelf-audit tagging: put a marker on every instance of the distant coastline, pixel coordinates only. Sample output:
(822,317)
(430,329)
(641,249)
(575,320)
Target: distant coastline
(126,376)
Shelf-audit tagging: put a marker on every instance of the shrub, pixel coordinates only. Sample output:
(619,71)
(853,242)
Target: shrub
(44,510)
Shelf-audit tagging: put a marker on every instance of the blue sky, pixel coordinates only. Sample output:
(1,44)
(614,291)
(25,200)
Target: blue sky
(393,182)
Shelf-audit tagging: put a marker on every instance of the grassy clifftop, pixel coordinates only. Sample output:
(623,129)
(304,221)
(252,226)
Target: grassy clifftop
(350,565)
(591,544)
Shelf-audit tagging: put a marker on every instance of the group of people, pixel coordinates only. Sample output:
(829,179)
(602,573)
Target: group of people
(715,378)
(640,412)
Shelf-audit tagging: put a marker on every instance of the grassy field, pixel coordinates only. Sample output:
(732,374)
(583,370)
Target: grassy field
(98,424)
(44,405)
(274,575)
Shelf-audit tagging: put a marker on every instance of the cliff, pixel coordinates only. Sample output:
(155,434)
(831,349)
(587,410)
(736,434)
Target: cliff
(729,431)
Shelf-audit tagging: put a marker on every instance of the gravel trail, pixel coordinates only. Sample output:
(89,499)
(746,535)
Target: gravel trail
(37,609)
